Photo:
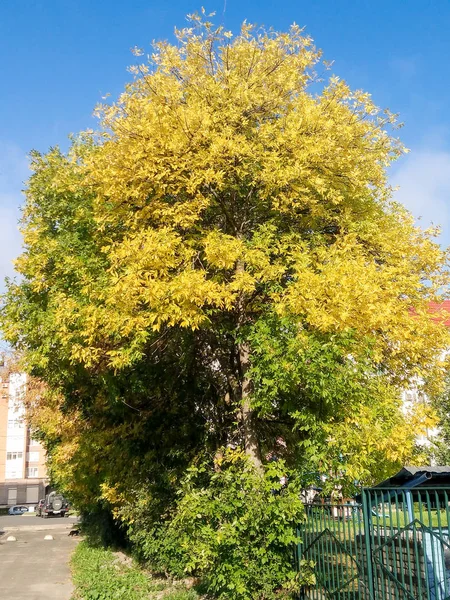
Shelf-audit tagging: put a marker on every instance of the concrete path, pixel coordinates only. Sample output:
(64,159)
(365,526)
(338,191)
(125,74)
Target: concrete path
(33,568)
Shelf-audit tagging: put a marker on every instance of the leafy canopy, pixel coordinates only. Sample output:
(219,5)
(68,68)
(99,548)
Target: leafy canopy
(222,262)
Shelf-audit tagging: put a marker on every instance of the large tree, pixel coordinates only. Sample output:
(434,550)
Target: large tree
(222,262)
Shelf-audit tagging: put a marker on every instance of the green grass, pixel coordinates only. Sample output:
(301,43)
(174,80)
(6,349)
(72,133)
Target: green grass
(99,574)
(387,519)
(401,519)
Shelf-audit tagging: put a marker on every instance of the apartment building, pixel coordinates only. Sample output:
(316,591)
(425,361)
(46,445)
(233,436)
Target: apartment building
(23,473)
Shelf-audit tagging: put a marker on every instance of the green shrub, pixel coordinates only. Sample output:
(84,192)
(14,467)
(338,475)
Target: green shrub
(101,529)
(231,526)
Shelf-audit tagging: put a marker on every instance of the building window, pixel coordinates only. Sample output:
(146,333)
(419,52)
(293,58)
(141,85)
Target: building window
(13,423)
(32,472)
(33,456)
(15,406)
(11,475)
(14,455)
(12,495)
(6,385)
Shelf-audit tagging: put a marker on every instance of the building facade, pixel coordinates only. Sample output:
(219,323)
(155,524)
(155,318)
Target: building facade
(23,473)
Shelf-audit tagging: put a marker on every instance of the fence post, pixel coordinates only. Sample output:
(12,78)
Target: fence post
(367,520)
(298,558)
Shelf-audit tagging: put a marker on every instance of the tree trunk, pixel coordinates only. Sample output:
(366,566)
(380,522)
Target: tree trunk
(247,419)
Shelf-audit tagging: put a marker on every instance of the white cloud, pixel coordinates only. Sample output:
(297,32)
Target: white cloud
(424,181)
(10,238)
(13,173)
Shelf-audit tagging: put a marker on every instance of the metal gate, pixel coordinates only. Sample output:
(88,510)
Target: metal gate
(393,545)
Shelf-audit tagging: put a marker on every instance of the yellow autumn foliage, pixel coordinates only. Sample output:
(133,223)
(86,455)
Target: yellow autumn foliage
(228,183)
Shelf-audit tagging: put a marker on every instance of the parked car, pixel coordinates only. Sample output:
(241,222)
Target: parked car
(52,504)
(17,510)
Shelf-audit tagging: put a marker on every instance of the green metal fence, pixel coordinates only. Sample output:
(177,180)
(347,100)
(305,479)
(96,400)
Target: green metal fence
(393,545)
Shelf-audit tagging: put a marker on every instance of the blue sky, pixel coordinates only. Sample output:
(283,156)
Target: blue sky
(58,57)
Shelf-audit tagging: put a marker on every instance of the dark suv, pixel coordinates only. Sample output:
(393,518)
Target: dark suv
(53,504)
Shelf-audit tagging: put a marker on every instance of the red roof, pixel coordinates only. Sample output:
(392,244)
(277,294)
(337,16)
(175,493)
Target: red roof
(441,307)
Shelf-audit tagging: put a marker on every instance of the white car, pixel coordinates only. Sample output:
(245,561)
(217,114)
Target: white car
(18,509)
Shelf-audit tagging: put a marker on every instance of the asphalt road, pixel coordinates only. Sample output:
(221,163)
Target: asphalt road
(9,521)
(33,568)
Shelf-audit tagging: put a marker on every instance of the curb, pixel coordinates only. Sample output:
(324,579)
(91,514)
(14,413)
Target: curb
(37,527)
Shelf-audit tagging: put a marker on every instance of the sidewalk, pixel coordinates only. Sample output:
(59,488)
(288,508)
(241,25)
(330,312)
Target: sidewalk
(33,568)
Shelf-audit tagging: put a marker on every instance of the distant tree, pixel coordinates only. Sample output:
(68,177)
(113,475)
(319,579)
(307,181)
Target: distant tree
(440,444)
